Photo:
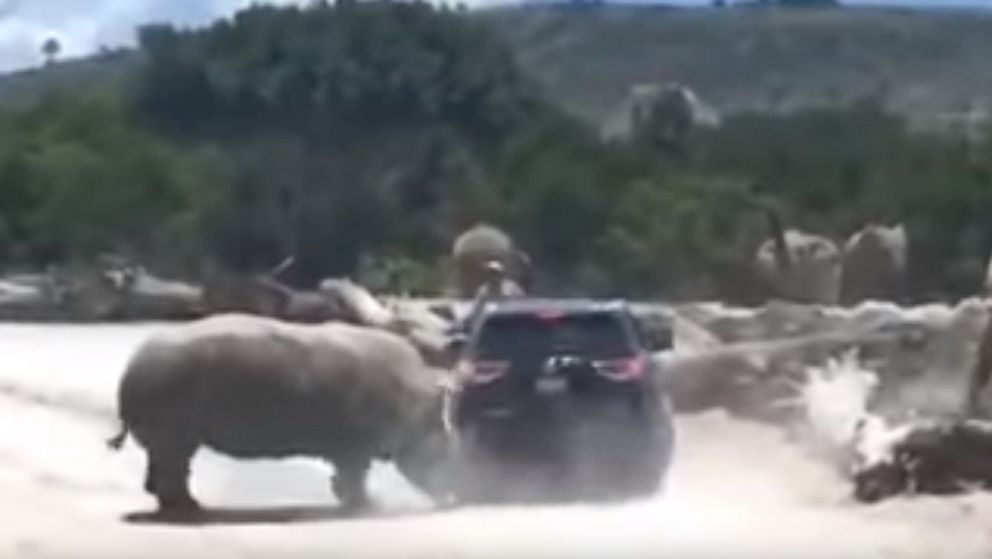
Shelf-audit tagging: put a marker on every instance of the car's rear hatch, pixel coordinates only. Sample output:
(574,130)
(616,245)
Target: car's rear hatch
(522,356)
(540,383)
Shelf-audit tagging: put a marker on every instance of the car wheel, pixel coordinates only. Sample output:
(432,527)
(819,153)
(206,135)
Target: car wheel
(648,474)
(476,477)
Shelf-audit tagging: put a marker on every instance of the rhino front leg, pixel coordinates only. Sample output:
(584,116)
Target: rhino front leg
(348,482)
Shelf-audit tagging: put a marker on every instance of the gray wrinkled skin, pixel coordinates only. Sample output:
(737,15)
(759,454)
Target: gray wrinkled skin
(814,275)
(479,245)
(665,114)
(874,264)
(253,387)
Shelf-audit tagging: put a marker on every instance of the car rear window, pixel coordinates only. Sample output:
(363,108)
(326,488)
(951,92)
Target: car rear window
(593,335)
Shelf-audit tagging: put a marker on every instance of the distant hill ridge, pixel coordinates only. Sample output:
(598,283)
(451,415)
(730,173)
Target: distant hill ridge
(929,64)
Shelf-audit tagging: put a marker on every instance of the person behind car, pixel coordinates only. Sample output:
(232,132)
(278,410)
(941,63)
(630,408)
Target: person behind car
(496,286)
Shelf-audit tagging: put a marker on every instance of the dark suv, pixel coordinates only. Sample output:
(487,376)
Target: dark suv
(559,400)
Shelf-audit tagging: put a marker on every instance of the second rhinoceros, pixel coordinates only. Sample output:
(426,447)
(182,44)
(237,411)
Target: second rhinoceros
(254,387)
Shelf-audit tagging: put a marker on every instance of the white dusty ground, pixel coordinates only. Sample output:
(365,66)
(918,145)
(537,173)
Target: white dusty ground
(737,491)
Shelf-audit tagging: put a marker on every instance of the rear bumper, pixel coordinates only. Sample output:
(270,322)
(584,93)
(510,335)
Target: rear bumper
(571,450)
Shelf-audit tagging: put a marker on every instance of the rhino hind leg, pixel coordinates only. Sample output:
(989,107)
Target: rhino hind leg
(150,475)
(167,478)
(348,482)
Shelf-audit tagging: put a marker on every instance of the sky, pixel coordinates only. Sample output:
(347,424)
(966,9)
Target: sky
(83,26)
(26,24)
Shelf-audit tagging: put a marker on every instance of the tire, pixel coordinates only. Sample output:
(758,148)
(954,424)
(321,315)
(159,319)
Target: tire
(476,475)
(487,472)
(652,458)
(622,456)
(652,472)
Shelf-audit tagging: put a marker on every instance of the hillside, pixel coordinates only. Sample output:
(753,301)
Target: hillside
(362,137)
(102,70)
(930,64)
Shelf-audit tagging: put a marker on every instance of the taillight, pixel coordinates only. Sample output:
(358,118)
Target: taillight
(627,369)
(482,372)
(549,315)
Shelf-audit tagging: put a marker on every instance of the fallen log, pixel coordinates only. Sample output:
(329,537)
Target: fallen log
(937,456)
(26,302)
(147,297)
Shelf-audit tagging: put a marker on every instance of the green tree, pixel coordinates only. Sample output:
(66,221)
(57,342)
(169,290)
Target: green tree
(51,49)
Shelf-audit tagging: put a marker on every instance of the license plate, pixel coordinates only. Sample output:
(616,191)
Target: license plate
(551,385)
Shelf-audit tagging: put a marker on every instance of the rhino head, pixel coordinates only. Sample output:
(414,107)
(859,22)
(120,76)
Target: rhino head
(425,457)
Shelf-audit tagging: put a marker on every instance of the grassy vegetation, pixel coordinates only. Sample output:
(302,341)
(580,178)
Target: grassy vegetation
(356,133)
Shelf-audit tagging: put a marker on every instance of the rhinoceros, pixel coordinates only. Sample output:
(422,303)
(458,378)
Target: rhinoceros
(255,387)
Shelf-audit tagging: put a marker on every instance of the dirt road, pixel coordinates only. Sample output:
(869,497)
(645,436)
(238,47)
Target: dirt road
(737,490)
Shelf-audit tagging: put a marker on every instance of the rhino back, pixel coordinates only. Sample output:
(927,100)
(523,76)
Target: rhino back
(250,386)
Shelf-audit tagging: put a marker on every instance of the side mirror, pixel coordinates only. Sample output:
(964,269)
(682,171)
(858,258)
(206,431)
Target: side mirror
(659,339)
(453,349)
(456,344)
(656,332)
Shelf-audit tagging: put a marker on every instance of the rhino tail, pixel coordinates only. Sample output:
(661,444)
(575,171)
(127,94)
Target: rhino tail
(117,441)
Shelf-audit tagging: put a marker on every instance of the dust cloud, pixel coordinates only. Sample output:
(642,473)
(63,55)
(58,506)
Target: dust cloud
(737,489)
